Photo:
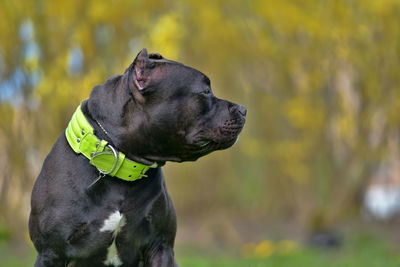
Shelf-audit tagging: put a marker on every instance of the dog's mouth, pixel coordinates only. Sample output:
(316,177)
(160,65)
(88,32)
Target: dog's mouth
(206,144)
(207,140)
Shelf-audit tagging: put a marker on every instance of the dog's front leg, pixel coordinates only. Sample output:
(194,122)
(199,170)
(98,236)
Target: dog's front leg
(49,259)
(163,257)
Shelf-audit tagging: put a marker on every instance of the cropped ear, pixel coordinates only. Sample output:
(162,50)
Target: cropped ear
(141,70)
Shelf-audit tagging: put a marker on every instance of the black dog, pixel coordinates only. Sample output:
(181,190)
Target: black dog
(157,111)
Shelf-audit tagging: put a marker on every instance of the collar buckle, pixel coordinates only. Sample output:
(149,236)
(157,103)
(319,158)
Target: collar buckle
(113,151)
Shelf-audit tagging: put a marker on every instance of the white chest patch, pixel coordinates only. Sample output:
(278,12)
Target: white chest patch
(113,223)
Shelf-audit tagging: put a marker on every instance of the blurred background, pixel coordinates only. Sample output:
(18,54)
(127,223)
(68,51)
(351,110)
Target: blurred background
(315,176)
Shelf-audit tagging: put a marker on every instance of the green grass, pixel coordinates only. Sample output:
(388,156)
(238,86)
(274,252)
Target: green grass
(306,258)
(360,250)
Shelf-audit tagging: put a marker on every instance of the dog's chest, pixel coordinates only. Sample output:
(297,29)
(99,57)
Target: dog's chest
(117,225)
(122,233)
(113,224)
(115,238)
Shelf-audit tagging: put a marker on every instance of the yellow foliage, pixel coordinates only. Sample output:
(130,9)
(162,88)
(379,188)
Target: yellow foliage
(99,11)
(303,114)
(267,248)
(31,64)
(346,128)
(166,35)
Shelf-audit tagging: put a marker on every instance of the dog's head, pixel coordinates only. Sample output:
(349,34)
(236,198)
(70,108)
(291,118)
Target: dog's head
(175,115)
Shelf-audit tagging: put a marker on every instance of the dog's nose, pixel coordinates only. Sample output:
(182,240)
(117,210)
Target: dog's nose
(242,110)
(233,108)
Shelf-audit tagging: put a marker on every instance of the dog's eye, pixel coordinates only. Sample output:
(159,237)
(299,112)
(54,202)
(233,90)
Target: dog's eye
(207,91)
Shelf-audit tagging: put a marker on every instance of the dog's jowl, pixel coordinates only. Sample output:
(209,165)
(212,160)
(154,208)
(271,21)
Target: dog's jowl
(100,198)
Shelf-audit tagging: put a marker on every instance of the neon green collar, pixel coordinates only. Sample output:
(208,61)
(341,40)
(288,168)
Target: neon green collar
(103,156)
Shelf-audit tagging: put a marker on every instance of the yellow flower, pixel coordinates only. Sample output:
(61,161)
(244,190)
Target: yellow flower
(264,249)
